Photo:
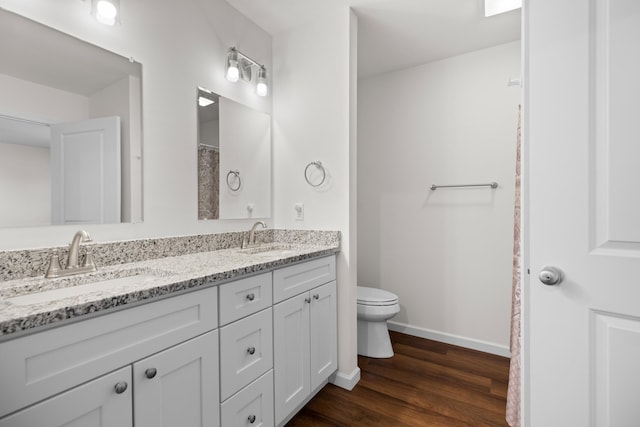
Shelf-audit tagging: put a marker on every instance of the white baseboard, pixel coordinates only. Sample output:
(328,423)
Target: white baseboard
(346,381)
(484,346)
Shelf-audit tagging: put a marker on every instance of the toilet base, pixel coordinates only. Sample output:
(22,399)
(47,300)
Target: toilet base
(374,340)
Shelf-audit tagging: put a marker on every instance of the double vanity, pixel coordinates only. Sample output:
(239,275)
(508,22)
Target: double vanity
(224,337)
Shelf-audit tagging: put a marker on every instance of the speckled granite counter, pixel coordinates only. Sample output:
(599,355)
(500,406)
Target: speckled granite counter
(74,296)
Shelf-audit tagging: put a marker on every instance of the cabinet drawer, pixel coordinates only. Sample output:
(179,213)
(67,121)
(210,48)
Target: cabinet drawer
(298,278)
(246,351)
(244,297)
(40,365)
(252,406)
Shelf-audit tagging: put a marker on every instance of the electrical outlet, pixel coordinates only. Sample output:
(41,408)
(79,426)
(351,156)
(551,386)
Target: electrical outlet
(299,208)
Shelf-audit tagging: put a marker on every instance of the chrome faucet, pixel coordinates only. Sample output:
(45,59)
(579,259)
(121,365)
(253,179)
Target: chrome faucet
(72,266)
(251,238)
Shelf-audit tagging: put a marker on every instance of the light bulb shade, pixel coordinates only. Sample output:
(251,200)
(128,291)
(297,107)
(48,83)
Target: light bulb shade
(262,88)
(106,11)
(233,73)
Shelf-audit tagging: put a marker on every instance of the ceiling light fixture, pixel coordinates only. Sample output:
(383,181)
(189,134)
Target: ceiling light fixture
(106,11)
(240,65)
(204,102)
(495,7)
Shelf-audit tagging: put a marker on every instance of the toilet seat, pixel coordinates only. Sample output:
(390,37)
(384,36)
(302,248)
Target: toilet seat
(375,297)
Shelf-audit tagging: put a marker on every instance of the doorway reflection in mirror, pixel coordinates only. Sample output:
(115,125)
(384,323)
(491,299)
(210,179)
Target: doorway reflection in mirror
(208,155)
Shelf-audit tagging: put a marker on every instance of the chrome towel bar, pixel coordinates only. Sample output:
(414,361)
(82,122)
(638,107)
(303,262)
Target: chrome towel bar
(490,184)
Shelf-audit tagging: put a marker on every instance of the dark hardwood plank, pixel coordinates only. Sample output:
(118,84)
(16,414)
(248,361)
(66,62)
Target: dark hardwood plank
(426,383)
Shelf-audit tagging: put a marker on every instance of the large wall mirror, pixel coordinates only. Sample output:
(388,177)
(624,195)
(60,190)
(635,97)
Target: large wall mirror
(234,159)
(70,129)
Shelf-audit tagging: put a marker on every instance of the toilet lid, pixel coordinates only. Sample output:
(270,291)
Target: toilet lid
(374,296)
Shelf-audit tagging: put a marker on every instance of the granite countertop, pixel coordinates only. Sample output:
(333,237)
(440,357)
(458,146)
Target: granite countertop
(35,302)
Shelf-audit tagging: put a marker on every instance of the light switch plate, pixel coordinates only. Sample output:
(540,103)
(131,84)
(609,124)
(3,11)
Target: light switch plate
(299,211)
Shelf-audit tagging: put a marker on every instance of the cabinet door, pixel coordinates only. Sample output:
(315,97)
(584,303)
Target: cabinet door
(291,354)
(323,333)
(94,404)
(179,386)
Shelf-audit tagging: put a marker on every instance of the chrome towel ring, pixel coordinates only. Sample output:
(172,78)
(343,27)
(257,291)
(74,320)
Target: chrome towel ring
(318,165)
(236,174)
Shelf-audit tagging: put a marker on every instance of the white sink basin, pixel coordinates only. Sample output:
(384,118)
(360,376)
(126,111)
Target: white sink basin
(136,278)
(270,250)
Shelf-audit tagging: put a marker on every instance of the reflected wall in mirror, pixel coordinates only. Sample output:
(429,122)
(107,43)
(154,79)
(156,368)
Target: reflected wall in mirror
(70,129)
(234,159)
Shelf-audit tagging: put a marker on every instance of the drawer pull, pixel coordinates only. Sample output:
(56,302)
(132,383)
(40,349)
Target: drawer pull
(150,373)
(251,296)
(251,350)
(316,296)
(121,387)
(307,300)
(251,418)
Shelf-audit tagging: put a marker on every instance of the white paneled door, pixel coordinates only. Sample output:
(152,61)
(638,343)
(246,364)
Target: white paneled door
(582,107)
(85,171)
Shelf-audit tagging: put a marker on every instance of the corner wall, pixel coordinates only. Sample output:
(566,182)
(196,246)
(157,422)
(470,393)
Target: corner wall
(314,108)
(447,253)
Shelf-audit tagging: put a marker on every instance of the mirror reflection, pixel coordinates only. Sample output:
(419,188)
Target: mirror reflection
(70,129)
(234,159)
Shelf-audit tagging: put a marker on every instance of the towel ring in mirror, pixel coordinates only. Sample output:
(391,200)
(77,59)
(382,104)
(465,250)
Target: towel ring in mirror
(319,166)
(236,174)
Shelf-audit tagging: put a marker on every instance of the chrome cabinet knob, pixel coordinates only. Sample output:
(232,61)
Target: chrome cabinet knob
(121,387)
(251,297)
(550,275)
(251,418)
(150,373)
(316,296)
(307,300)
(251,350)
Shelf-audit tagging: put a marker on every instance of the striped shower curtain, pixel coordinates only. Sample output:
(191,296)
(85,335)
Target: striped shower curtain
(513,391)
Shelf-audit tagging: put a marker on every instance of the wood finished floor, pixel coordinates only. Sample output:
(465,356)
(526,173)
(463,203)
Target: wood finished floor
(426,383)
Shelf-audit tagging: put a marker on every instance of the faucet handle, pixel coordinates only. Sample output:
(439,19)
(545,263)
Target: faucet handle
(88,261)
(54,266)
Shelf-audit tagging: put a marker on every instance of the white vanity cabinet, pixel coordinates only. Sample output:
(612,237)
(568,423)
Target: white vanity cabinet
(305,334)
(96,368)
(207,358)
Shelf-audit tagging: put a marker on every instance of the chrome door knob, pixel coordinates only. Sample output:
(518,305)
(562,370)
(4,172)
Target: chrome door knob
(150,373)
(550,275)
(121,387)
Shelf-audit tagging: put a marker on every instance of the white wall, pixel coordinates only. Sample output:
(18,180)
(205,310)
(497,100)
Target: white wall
(445,253)
(22,98)
(180,45)
(314,105)
(113,100)
(25,185)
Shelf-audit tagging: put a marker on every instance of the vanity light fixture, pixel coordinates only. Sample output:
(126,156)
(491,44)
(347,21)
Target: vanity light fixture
(106,11)
(239,66)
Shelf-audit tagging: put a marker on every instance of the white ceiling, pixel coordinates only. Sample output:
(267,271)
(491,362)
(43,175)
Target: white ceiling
(396,34)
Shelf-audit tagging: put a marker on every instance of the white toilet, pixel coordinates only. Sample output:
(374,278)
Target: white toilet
(375,307)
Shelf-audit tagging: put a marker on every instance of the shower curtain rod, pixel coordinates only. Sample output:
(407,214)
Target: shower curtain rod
(490,184)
